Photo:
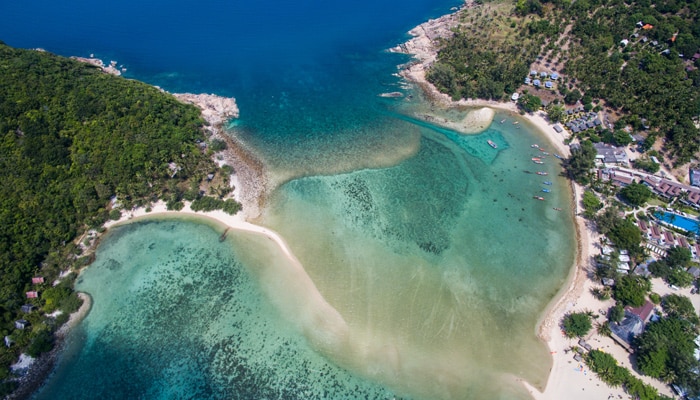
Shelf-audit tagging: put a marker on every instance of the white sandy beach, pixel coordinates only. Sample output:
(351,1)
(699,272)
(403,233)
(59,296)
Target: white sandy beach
(329,328)
(568,379)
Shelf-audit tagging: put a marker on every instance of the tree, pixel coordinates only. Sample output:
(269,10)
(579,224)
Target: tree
(647,165)
(678,257)
(555,112)
(591,203)
(582,160)
(680,278)
(681,307)
(577,324)
(218,145)
(636,194)
(660,269)
(626,235)
(529,102)
(42,343)
(606,367)
(572,97)
(631,290)
(617,313)
(622,138)
(665,350)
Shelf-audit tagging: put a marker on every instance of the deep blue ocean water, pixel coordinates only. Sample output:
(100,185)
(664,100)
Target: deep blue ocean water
(298,69)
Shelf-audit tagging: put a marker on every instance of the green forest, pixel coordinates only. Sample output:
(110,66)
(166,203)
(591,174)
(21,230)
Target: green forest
(635,58)
(74,142)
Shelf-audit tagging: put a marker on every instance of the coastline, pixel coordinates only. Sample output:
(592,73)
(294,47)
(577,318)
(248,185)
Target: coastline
(42,367)
(566,375)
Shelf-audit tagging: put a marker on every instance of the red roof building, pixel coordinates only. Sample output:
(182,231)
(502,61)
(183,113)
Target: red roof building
(642,226)
(670,239)
(32,295)
(643,312)
(37,280)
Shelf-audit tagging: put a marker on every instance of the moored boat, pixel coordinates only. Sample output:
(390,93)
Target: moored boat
(542,173)
(535,146)
(538,161)
(492,144)
(547,182)
(546,190)
(558,156)
(556,209)
(538,198)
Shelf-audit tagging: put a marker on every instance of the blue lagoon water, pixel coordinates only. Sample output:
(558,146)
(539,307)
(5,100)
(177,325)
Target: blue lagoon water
(426,260)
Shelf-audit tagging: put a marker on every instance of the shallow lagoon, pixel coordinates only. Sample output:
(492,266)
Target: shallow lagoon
(436,268)
(428,244)
(176,315)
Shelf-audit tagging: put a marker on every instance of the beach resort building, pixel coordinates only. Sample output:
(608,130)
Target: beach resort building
(694,177)
(21,324)
(27,308)
(624,332)
(609,154)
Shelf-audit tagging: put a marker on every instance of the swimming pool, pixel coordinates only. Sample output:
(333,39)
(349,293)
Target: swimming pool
(688,224)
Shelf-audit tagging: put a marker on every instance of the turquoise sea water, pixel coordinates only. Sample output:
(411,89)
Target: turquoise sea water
(428,259)
(181,317)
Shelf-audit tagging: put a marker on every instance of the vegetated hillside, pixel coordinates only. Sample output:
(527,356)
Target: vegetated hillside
(637,59)
(72,137)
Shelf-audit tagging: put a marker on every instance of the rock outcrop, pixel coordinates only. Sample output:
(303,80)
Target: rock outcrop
(215,109)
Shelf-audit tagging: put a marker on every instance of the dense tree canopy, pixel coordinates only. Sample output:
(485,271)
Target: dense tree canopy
(582,160)
(666,351)
(652,78)
(672,268)
(71,139)
(631,290)
(626,236)
(577,324)
(636,194)
(591,203)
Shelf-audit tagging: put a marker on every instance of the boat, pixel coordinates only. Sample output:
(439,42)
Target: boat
(535,146)
(538,162)
(542,173)
(223,235)
(503,120)
(546,190)
(556,209)
(492,144)
(544,152)
(538,198)
(536,159)
(547,182)
(558,156)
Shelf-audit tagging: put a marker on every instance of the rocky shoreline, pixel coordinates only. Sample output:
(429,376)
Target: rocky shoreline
(250,173)
(42,367)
